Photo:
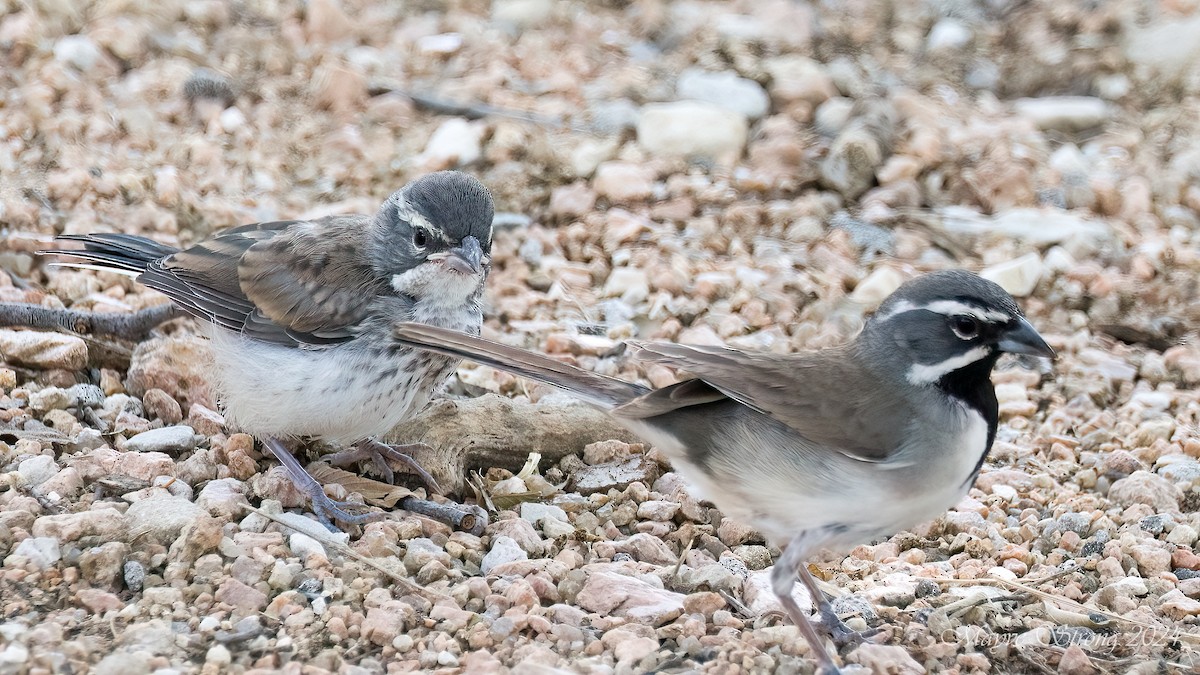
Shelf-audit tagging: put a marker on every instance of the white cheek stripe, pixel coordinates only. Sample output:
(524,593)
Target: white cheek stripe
(948,308)
(921,374)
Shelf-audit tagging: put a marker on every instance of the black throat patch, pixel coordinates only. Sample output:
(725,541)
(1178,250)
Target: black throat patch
(972,385)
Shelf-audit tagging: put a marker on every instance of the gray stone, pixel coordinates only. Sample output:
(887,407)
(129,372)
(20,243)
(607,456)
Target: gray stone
(37,470)
(42,552)
(169,440)
(163,517)
(504,550)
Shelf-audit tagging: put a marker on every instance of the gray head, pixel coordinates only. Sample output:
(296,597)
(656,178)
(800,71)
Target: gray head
(435,235)
(949,325)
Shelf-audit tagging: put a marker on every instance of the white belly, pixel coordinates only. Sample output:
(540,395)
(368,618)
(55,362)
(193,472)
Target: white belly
(859,501)
(341,394)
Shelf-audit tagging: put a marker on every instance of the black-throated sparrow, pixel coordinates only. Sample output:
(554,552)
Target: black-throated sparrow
(302,313)
(825,449)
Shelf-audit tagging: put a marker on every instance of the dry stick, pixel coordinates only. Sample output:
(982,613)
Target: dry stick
(459,517)
(351,553)
(1183,637)
(131,326)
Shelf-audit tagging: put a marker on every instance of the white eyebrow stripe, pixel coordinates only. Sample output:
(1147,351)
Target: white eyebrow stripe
(921,374)
(948,308)
(415,219)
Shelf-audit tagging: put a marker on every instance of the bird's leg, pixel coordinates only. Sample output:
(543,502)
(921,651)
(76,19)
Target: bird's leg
(783,579)
(326,509)
(841,633)
(378,454)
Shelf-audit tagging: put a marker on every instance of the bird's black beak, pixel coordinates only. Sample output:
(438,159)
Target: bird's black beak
(1023,338)
(467,258)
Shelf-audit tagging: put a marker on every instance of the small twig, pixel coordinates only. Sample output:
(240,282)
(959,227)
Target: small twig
(471,111)
(682,555)
(131,326)
(341,548)
(472,520)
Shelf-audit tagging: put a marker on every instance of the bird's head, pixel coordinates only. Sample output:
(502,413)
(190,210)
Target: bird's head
(947,323)
(433,238)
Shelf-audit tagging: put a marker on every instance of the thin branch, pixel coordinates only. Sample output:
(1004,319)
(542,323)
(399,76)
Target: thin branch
(131,326)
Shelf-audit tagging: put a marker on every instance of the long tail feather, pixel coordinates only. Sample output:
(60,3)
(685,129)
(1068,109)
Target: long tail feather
(114,252)
(600,390)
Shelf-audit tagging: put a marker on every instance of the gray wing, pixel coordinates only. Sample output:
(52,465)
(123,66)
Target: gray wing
(823,397)
(291,283)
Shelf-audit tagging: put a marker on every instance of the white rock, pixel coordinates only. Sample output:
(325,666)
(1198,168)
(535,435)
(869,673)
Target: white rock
(303,545)
(1019,276)
(1058,260)
(43,351)
(167,440)
(224,497)
(832,115)
(37,470)
(876,286)
(522,13)
(42,552)
(162,516)
(457,142)
(553,529)
(1006,492)
(799,78)
(50,398)
(692,128)
(536,512)
(79,51)
(726,89)
(1171,46)
(590,153)
(948,35)
(443,43)
(504,550)
(1069,113)
(628,283)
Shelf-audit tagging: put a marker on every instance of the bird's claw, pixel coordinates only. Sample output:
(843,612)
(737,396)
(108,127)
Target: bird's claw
(329,510)
(379,454)
(841,633)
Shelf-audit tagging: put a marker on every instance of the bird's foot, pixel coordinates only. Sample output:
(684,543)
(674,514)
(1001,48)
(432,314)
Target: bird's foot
(380,454)
(841,633)
(329,510)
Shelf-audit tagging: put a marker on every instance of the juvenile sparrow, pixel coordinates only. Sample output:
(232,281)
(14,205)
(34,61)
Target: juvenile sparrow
(301,314)
(826,449)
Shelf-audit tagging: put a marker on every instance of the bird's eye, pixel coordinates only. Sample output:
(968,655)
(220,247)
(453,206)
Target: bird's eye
(965,327)
(420,239)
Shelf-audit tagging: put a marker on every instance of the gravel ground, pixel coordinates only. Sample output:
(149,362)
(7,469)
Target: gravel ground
(758,174)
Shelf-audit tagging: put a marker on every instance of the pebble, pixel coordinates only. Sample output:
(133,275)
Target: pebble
(1065,113)
(169,440)
(37,470)
(42,552)
(537,512)
(725,89)
(43,351)
(611,593)
(692,129)
(1143,487)
(504,550)
(162,517)
(456,143)
(1018,276)
(623,182)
